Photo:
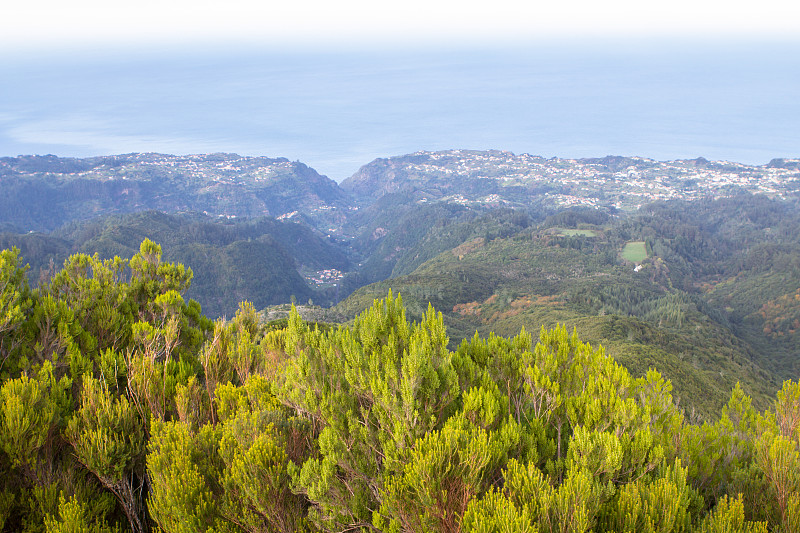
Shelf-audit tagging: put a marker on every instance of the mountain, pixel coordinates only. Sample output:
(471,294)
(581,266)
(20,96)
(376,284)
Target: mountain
(41,193)
(263,260)
(690,266)
(411,205)
(502,179)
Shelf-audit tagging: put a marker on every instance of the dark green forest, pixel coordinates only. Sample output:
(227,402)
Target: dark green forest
(234,260)
(122,407)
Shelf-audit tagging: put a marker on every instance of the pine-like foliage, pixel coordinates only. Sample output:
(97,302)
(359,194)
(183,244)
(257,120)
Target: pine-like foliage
(123,408)
(15,304)
(370,392)
(108,438)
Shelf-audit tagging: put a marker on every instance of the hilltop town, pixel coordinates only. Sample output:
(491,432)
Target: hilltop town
(503,178)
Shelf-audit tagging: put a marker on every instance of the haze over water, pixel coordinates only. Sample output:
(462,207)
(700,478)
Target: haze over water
(339,110)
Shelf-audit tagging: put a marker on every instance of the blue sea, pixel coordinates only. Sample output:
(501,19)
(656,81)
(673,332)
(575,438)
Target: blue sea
(337,110)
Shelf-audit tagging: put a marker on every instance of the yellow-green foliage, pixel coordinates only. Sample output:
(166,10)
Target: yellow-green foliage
(445,470)
(180,500)
(495,513)
(728,517)
(14,305)
(109,440)
(257,435)
(30,411)
(74,517)
(372,391)
(106,433)
(122,408)
(657,505)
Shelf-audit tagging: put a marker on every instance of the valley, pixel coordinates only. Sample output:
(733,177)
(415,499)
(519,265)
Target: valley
(449,341)
(688,266)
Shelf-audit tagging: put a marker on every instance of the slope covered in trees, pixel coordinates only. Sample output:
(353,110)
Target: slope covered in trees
(123,408)
(734,258)
(710,298)
(259,260)
(713,302)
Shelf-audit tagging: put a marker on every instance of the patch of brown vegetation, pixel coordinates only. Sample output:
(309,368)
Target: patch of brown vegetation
(548,300)
(523,302)
(469,308)
(782,315)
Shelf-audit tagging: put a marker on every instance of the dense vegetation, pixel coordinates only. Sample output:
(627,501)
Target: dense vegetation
(712,303)
(395,236)
(714,300)
(233,260)
(123,408)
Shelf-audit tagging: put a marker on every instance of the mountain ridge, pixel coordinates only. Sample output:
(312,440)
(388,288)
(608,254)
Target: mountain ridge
(709,234)
(223,185)
(502,177)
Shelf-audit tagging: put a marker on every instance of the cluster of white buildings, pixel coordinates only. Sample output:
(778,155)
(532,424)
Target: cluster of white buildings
(583,182)
(329,276)
(225,169)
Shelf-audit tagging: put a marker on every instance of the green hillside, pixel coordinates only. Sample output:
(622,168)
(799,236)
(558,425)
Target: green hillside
(123,408)
(683,312)
(530,281)
(394,237)
(232,261)
(703,286)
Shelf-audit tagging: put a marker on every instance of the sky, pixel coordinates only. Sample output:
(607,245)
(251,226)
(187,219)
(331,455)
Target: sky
(51,23)
(337,84)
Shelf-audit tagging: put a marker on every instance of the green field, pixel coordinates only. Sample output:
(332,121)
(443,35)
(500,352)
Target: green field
(580,232)
(634,251)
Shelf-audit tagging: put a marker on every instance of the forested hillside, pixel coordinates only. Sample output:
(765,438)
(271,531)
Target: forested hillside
(691,267)
(709,302)
(260,260)
(123,408)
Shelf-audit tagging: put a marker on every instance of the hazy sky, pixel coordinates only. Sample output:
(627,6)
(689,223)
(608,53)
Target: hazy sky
(336,84)
(53,23)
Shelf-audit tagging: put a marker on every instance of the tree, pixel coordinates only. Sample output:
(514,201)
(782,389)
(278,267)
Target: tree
(370,392)
(15,304)
(108,437)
